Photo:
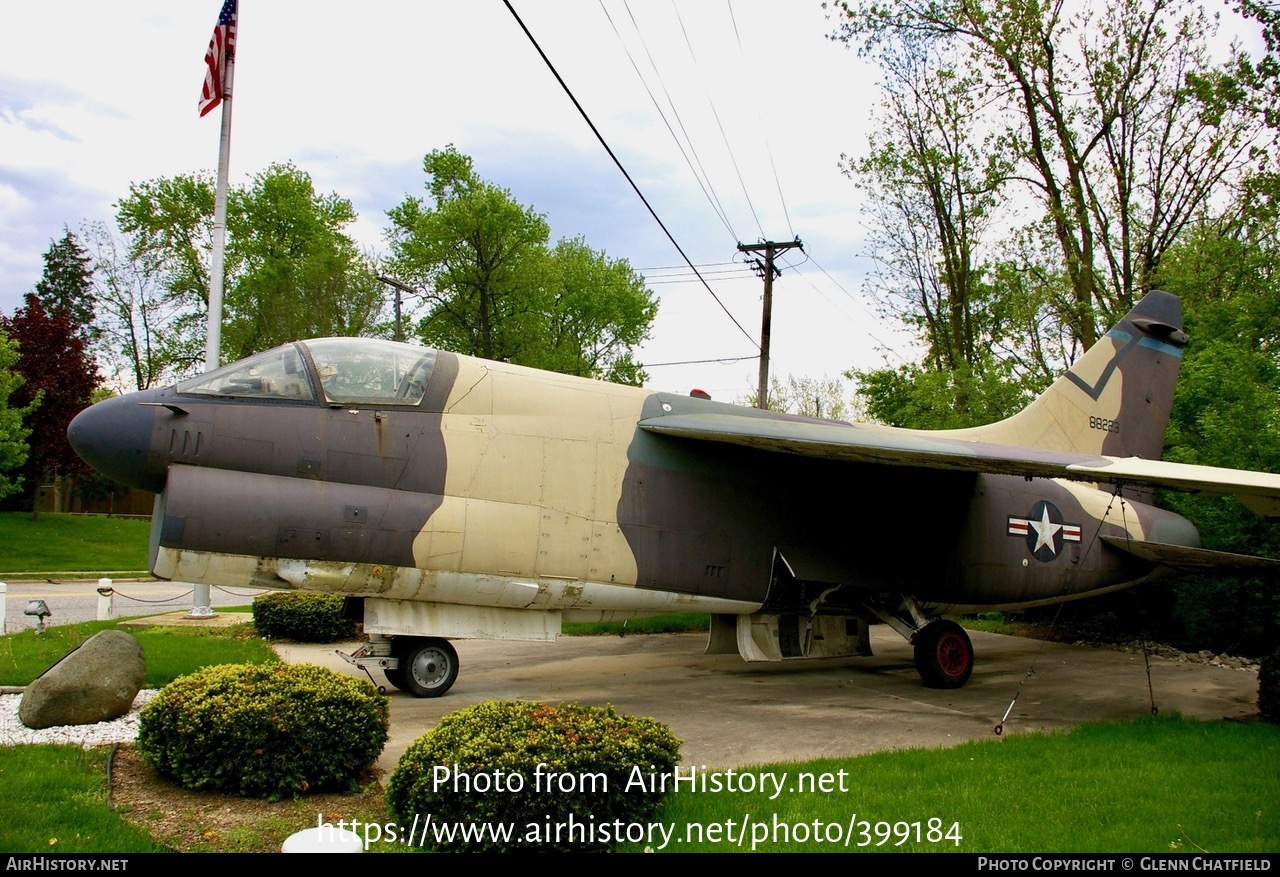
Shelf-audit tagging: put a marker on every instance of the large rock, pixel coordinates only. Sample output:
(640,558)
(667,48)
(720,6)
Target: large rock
(94,682)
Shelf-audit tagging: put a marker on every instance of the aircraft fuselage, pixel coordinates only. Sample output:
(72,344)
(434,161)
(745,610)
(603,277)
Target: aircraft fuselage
(507,473)
(454,497)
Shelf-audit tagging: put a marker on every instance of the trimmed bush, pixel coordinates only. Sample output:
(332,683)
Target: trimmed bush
(264,730)
(1269,688)
(301,615)
(587,755)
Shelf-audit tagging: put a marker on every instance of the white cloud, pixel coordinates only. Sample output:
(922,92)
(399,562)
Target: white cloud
(357,97)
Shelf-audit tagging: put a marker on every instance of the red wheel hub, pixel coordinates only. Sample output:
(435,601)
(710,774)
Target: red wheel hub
(953,654)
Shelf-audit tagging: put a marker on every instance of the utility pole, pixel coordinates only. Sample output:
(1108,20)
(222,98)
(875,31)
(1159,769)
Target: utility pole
(399,287)
(768,271)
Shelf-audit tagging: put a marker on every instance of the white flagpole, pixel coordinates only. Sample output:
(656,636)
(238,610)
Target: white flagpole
(200,595)
(213,340)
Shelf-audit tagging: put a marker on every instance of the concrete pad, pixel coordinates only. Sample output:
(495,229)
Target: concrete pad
(184,619)
(731,714)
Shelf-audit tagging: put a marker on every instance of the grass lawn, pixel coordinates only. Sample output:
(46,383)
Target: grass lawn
(1156,785)
(72,543)
(55,801)
(170,651)
(675,622)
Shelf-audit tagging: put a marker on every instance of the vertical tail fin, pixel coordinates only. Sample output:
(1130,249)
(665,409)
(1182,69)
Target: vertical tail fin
(1114,400)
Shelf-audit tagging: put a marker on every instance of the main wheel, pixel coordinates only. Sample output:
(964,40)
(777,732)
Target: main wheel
(394,677)
(944,654)
(428,666)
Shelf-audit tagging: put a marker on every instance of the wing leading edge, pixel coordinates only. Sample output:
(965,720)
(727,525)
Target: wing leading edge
(890,446)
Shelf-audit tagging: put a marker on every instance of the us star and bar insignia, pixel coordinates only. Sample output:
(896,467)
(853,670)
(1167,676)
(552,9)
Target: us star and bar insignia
(1044,530)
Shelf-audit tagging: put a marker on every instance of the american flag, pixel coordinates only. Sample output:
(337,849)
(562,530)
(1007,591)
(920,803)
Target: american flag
(221,47)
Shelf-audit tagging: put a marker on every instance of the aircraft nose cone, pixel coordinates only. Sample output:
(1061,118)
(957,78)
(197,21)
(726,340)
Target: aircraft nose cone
(114,437)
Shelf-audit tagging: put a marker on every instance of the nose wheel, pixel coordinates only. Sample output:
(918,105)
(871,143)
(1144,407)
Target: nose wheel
(428,666)
(944,654)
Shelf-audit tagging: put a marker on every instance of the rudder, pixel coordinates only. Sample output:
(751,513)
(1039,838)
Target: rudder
(1114,400)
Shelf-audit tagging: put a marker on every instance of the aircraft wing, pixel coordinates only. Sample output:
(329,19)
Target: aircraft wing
(871,443)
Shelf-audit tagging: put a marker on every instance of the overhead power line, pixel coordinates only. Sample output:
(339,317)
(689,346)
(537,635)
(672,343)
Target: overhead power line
(721,361)
(714,112)
(699,173)
(616,161)
(682,267)
(763,130)
(882,345)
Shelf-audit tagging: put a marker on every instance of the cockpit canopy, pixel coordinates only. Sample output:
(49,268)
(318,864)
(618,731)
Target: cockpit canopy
(337,371)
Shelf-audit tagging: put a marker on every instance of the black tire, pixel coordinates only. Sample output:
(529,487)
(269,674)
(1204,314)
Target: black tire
(394,677)
(428,666)
(944,655)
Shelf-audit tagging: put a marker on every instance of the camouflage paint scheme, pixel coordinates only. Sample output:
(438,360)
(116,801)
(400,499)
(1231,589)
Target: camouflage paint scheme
(495,500)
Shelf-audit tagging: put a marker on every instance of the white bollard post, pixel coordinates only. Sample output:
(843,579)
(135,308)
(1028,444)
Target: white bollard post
(106,597)
(4,619)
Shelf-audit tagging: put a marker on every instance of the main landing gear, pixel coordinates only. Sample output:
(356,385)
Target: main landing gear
(943,651)
(944,654)
(428,666)
(419,665)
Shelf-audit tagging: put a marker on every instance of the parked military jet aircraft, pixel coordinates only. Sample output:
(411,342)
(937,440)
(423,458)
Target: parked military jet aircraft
(454,498)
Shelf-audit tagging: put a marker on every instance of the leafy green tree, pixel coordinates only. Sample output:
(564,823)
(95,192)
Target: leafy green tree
(933,184)
(135,315)
(67,281)
(291,269)
(495,289)
(58,379)
(1114,120)
(479,254)
(917,397)
(936,183)
(809,397)
(298,273)
(171,224)
(597,311)
(13,432)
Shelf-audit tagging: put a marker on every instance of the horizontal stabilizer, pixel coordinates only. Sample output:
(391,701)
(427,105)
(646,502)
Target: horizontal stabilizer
(1259,491)
(1181,557)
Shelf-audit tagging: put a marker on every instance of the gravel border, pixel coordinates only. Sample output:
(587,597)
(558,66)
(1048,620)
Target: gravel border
(121,730)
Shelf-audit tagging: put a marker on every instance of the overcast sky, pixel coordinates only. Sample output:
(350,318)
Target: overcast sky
(94,96)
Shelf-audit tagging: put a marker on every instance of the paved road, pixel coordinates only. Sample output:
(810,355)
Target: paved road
(73,601)
(730,713)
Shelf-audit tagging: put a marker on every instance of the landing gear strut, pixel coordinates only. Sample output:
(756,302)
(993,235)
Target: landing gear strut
(944,654)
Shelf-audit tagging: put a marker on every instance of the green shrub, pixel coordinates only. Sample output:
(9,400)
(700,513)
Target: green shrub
(592,751)
(264,730)
(1269,688)
(301,615)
